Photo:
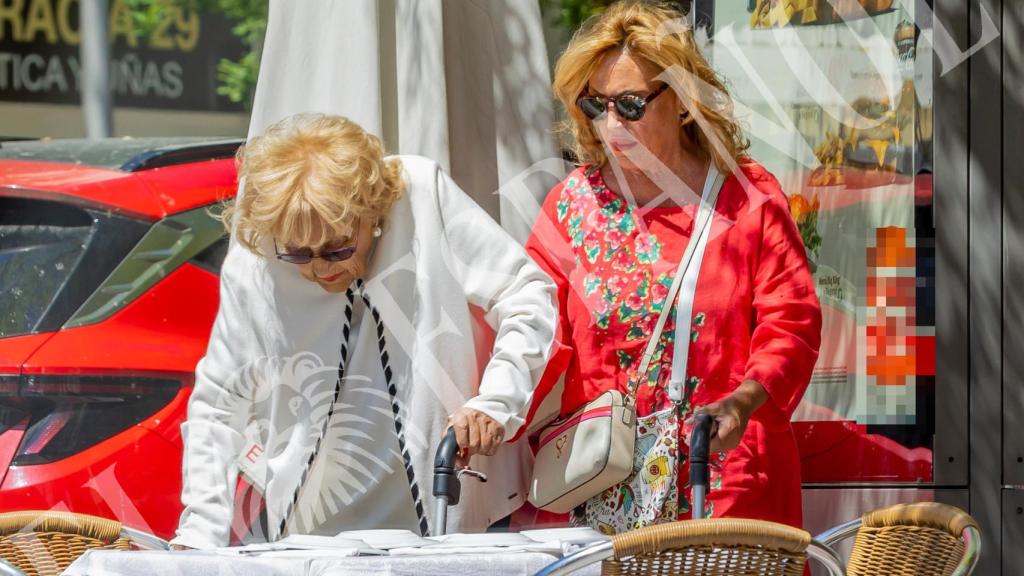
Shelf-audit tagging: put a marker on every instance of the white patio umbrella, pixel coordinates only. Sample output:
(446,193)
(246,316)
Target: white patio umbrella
(463,82)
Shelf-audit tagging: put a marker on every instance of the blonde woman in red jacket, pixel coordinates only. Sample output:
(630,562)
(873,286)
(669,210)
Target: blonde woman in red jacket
(652,124)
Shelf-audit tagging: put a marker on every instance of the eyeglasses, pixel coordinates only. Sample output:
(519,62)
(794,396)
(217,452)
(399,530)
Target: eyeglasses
(629,107)
(305,255)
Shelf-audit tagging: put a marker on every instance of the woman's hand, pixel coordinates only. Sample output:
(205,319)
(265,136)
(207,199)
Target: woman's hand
(732,415)
(179,547)
(476,432)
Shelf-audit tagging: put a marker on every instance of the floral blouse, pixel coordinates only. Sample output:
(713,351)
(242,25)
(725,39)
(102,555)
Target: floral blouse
(755,313)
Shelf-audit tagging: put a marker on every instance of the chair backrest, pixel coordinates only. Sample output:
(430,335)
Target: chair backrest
(926,538)
(44,543)
(711,547)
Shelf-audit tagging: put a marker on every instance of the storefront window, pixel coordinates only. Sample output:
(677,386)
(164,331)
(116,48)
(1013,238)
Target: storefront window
(837,97)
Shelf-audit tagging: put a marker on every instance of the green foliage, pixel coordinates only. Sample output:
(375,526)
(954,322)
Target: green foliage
(237,77)
(250,16)
(146,14)
(572,13)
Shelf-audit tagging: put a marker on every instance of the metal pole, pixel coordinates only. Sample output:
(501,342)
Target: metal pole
(94,53)
(440,516)
(699,496)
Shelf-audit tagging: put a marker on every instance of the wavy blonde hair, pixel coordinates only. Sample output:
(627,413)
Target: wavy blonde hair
(309,174)
(656,33)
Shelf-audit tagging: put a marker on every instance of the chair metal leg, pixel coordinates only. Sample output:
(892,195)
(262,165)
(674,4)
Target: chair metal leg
(972,538)
(585,557)
(7,569)
(840,532)
(144,540)
(827,557)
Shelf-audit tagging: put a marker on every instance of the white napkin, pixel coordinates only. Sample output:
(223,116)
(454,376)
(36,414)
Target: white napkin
(555,541)
(448,550)
(387,539)
(306,544)
(575,534)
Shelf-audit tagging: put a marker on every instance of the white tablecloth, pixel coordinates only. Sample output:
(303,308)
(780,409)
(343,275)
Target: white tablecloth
(309,563)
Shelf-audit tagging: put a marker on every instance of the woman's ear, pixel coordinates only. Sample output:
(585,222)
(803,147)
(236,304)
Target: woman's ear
(681,109)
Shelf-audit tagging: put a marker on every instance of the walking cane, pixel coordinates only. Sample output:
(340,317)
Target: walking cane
(447,486)
(700,443)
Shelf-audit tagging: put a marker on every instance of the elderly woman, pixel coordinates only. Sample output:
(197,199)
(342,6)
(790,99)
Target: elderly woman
(652,126)
(366,306)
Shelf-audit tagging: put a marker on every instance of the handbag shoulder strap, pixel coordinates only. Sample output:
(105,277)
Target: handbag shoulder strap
(703,218)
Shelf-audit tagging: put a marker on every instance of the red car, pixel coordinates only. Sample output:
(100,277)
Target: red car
(108,274)
(109,261)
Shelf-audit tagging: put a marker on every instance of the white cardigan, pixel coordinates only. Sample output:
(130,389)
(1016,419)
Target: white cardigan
(448,282)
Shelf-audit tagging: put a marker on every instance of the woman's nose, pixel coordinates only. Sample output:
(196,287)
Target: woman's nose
(320,267)
(611,118)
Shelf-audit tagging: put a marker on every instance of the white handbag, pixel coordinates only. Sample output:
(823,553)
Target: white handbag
(585,453)
(582,455)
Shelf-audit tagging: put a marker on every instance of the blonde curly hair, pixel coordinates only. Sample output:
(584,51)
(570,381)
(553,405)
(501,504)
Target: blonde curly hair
(648,30)
(307,175)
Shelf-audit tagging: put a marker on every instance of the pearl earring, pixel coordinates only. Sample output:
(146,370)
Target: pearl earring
(377,231)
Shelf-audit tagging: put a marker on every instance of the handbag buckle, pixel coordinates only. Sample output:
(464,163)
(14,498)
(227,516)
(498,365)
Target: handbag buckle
(675,391)
(628,412)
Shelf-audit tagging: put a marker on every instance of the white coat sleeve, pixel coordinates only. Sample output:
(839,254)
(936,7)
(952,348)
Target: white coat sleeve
(517,297)
(217,413)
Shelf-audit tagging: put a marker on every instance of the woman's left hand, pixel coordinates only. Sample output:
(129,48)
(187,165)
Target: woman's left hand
(732,415)
(476,432)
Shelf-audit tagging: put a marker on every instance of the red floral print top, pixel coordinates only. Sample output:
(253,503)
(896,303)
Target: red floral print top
(755,315)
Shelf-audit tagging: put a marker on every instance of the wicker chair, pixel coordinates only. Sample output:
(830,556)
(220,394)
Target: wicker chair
(44,543)
(711,547)
(923,539)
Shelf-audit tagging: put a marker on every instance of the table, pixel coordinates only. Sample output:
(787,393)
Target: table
(308,563)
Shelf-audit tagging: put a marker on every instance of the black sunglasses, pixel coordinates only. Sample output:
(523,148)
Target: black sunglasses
(629,107)
(305,255)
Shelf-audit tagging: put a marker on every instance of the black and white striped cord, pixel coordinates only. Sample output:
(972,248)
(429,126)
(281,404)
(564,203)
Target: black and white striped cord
(421,517)
(395,409)
(346,330)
